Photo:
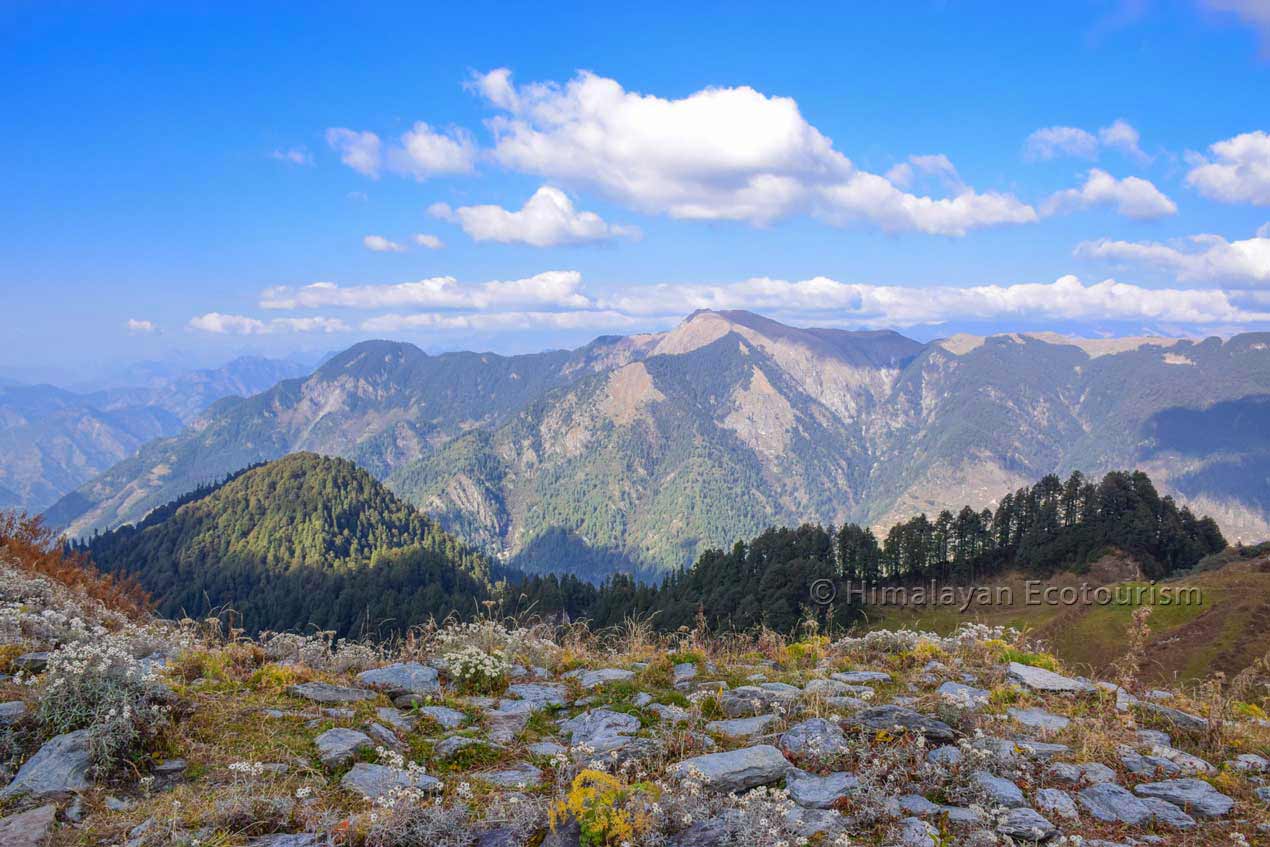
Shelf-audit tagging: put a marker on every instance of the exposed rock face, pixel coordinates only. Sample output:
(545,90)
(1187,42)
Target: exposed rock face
(601,730)
(1039,679)
(58,769)
(819,792)
(735,770)
(814,739)
(1113,804)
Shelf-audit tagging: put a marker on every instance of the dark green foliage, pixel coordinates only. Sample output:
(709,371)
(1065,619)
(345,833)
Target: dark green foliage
(304,540)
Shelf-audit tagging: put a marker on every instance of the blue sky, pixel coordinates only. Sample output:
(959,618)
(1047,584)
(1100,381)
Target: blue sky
(185,173)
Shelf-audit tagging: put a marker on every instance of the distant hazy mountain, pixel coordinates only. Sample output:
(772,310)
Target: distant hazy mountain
(638,452)
(53,440)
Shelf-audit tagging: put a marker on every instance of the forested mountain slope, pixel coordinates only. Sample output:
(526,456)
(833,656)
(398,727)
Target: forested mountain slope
(638,453)
(302,541)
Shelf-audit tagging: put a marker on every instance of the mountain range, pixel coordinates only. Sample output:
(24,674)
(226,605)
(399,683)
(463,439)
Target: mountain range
(636,453)
(52,440)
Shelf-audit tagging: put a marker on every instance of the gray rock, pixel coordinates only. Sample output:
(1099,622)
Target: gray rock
(965,696)
(1001,792)
(1057,802)
(1141,765)
(915,832)
(508,720)
(303,839)
(684,674)
(862,677)
(1249,763)
(735,770)
(1263,794)
(1040,719)
(743,729)
(641,699)
(1039,679)
(547,694)
(1096,772)
(31,662)
(604,676)
(397,719)
(671,714)
(499,837)
(372,781)
(847,704)
(1187,763)
(28,829)
(892,717)
(1040,749)
(385,737)
(338,746)
(1110,803)
(1168,814)
(401,678)
(1026,824)
(1065,773)
(446,748)
(1194,795)
(523,775)
(947,755)
(323,692)
(749,700)
(11,713)
(827,687)
(1184,721)
(58,769)
(812,822)
(546,748)
(1154,738)
(819,792)
(600,730)
(446,717)
(816,738)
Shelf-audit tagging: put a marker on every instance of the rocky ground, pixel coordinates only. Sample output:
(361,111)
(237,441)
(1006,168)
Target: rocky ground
(139,733)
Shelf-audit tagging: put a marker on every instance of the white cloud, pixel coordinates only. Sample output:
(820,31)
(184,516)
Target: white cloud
(717,154)
(221,324)
(293,156)
(1057,141)
(874,305)
(547,219)
(421,152)
(560,289)
(1239,171)
(937,165)
(1052,142)
(598,319)
(1132,197)
(1199,258)
(431,242)
(1255,13)
(140,327)
(379,244)
(359,150)
(424,152)
(1121,136)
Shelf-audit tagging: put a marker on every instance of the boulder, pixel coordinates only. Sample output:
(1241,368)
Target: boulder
(862,677)
(735,770)
(324,692)
(1111,803)
(1039,679)
(915,832)
(1026,824)
(57,770)
(743,729)
(446,717)
(1002,792)
(401,678)
(373,781)
(1168,814)
(819,792)
(1184,721)
(814,739)
(898,717)
(603,676)
(965,696)
(397,719)
(28,829)
(11,713)
(600,730)
(1039,719)
(1057,802)
(338,746)
(519,776)
(547,694)
(1193,795)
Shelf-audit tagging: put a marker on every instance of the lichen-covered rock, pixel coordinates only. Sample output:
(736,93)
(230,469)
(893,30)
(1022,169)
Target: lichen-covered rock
(1039,679)
(743,728)
(1168,814)
(324,692)
(963,696)
(897,717)
(28,829)
(1039,719)
(1026,824)
(1058,802)
(1000,791)
(1111,803)
(816,738)
(819,792)
(600,730)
